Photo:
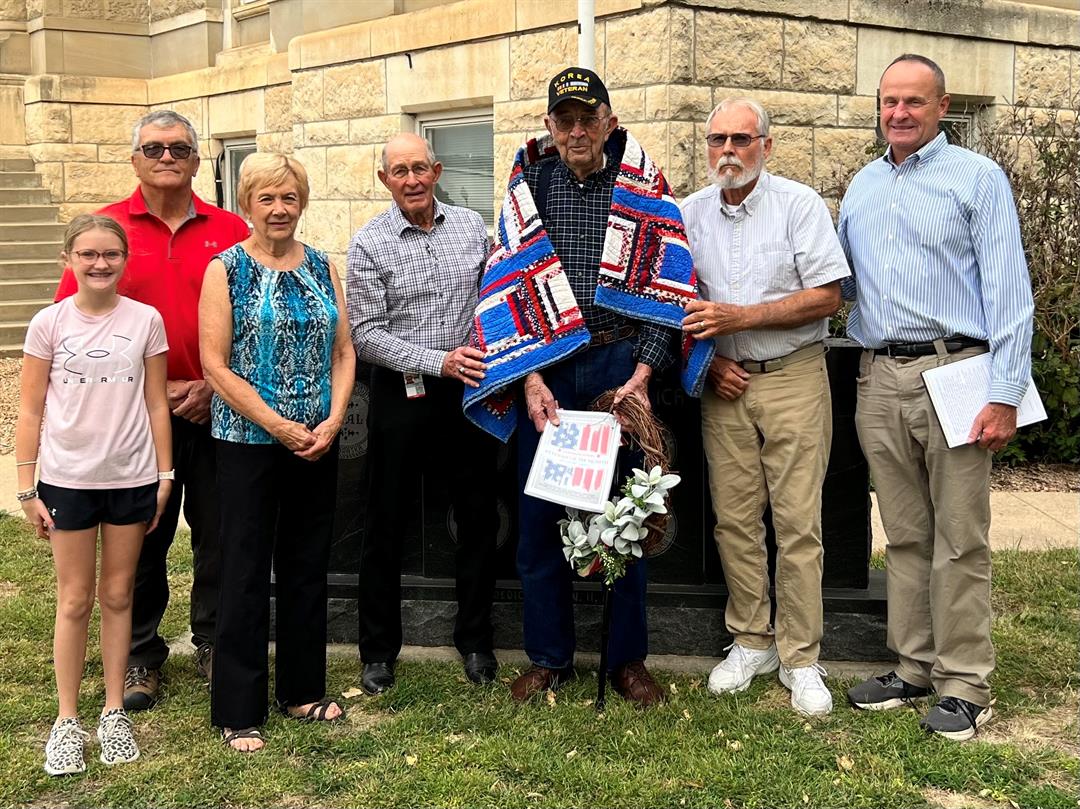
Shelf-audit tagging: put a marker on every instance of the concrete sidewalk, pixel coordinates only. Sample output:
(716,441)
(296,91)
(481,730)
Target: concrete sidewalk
(1025,520)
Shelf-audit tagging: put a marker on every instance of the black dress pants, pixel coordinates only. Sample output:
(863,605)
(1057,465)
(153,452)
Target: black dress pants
(276,508)
(408,437)
(193,458)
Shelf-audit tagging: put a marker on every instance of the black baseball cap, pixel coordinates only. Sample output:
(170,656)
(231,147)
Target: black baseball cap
(577,84)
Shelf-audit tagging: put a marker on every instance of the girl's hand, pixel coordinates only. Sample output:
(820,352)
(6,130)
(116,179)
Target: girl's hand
(164,489)
(38,516)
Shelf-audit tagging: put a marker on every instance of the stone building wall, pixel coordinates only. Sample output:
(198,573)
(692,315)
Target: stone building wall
(335,96)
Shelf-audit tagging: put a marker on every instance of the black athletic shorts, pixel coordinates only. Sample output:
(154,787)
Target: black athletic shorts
(78,509)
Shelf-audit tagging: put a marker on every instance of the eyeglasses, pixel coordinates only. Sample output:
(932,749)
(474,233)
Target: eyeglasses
(740,140)
(418,170)
(566,123)
(179,151)
(91,256)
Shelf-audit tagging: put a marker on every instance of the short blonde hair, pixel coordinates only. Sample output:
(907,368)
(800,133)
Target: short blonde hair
(266,170)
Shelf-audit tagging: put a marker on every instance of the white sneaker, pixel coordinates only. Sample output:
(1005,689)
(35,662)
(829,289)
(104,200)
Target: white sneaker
(64,750)
(734,673)
(809,696)
(117,742)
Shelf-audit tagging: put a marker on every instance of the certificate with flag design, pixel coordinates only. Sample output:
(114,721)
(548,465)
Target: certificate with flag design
(575,462)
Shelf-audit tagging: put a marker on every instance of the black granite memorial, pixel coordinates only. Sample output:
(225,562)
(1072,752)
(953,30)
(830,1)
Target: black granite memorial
(686,583)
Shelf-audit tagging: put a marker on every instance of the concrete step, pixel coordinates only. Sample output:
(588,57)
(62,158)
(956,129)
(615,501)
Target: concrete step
(31,232)
(13,332)
(22,310)
(44,214)
(16,164)
(22,290)
(28,213)
(20,179)
(9,351)
(30,270)
(25,196)
(30,250)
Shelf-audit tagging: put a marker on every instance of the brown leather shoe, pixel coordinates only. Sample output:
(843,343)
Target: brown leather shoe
(536,680)
(141,687)
(633,682)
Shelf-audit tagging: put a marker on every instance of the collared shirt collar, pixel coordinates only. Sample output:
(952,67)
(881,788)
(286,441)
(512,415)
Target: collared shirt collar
(927,151)
(137,205)
(753,199)
(400,223)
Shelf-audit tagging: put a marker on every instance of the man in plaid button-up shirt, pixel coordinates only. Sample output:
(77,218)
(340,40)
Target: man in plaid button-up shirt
(413,275)
(573,196)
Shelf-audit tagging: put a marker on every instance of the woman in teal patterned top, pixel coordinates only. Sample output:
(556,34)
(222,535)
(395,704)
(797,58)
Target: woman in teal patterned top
(274,340)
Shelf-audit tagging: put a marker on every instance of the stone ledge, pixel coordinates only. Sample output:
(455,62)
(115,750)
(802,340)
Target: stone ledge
(86,89)
(208,81)
(91,26)
(202,15)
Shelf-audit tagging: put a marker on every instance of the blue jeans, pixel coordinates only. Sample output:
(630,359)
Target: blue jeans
(546,577)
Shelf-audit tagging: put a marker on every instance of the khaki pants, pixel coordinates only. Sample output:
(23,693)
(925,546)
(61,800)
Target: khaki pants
(935,506)
(770,447)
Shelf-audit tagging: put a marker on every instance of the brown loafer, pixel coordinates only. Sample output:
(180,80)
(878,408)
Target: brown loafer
(634,683)
(538,679)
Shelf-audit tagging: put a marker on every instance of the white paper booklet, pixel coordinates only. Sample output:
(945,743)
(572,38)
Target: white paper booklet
(961,389)
(575,462)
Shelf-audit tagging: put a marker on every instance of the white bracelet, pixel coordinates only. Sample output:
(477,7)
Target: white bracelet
(170,475)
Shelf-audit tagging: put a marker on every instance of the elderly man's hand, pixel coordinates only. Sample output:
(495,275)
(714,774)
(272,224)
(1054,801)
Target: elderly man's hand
(729,380)
(705,319)
(994,426)
(195,406)
(636,386)
(540,403)
(466,364)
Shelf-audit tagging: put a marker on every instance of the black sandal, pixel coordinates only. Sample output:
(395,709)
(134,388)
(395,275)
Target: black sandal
(243,733)
(317,711)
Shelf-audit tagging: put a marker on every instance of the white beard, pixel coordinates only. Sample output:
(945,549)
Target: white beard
(733,180)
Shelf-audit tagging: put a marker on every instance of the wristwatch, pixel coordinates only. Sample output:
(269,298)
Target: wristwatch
(170,475)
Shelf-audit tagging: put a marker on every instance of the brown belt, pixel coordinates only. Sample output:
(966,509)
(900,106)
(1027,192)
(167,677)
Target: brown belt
(602,338)
(804,353)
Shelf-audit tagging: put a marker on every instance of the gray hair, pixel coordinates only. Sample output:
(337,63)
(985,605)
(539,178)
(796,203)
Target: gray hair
(939,74)
(164,119)
(430,154)
(742,101)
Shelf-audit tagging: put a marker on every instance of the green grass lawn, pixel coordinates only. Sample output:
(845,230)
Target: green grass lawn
(435,740)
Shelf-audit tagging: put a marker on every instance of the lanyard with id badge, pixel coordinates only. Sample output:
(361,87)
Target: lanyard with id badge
(414,385)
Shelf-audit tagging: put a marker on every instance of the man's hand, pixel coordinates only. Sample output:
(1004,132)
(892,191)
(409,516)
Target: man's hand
(195,404)
(994,427)
(636,386)
(465,363)
(705,319)
(176,390)
(729,380)
(540,404)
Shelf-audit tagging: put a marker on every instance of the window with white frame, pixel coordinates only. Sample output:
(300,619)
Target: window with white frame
(235,151)
(465,145)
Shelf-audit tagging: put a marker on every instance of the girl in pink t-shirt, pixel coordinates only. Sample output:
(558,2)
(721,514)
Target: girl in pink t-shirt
(103,452)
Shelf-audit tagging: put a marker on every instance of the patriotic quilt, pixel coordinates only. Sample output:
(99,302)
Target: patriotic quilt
(527,317)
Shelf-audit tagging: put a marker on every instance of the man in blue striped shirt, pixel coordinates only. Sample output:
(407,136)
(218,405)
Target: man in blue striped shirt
(933,239)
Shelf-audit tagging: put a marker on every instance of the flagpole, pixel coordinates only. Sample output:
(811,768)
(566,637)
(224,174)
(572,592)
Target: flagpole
(586,48)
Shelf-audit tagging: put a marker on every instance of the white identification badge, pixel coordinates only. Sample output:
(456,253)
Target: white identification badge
(414,385)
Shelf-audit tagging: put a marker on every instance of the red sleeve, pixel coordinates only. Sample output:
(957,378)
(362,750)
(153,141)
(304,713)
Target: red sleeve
(67,287)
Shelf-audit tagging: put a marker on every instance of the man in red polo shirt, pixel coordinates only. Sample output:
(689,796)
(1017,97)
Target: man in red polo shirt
(172,236)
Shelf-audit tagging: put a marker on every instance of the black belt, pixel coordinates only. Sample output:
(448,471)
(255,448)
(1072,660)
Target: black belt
(602,338)
(952,344)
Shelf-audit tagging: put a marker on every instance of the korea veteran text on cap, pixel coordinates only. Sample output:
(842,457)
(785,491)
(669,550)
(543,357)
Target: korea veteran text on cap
(577,84)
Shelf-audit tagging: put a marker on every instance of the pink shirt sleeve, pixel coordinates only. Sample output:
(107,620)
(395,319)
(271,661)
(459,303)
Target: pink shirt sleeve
(155,337)
(38,340)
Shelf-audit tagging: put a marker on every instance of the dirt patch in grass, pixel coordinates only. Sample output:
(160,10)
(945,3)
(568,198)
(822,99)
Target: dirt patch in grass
(1055,728)
(9,589)
(946,799)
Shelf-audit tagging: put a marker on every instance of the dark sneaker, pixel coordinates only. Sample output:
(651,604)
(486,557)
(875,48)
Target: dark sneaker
(204,660)
(141,687)
(117,742)
(956,719)
(64,750)
(885,692)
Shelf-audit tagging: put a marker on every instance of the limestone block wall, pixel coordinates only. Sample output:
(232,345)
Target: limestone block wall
(335,97)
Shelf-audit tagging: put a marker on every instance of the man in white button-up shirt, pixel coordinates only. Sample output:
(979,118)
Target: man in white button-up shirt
(769,265)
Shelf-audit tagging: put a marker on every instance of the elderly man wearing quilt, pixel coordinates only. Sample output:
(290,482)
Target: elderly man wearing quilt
(560,322)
